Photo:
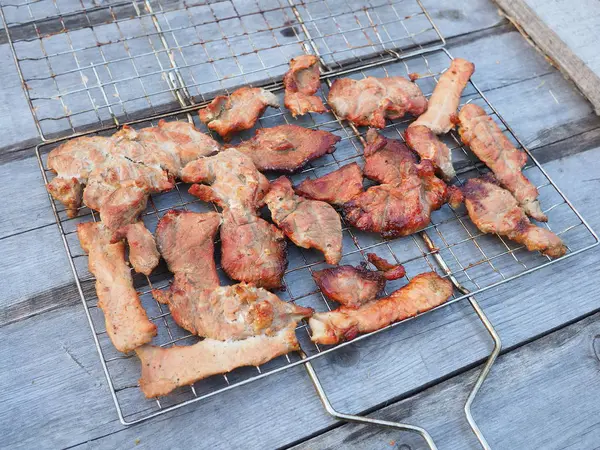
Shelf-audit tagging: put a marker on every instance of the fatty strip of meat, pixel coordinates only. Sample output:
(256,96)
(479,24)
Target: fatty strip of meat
(390,271)
(494,210)
(371,100)
(422,293)
(490,145)
(444,101)
(308,223)
(349,286)
(287,148)
(143,254)
(301,83)
(164,369)
(114,175)
(336,188)
(127,324)
(422,140)
(237,112)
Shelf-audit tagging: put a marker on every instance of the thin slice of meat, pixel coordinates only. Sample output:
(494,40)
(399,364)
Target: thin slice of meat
(127,324)
(337,187)
(422,293)
(490,145)
(164,369)
(301,83)
(371,100)
(349,286)
(390,271)
(114,175)
(238,112)
(443,103)
(308,223)
(234,181)
(252,250)
(494,210)
(422,140)
(143,254)
(287,148)
(401,205)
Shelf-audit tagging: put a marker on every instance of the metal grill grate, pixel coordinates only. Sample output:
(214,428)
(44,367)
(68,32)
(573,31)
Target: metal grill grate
(88,65)
(477,261)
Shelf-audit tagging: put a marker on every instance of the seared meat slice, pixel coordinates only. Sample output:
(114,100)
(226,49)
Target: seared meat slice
(252,250)
(233,178)
(301,83)
(287,148)
(164,369)
(403,204)
(371,100)
(486,140)
(120,171)
(422,293)
(143,254)
(494,210)
(337,187)
(422,140)
(308,223)
(126,321)
(445,99)
(238,112)
(390,271)
(350,286)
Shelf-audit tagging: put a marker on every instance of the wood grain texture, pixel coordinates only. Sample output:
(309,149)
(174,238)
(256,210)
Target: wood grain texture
(567,32)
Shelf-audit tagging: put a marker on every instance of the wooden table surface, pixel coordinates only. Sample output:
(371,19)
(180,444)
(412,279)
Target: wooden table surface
(544,391)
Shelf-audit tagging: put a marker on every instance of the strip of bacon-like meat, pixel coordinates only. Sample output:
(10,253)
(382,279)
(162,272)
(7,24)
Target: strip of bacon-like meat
(164,369)
(301,83)
(422,140)
(238,112)
(143,254)
(348,285)
(308,223)
(114,175)
(445,98)
(494,210)
(422,293)
(371,100)
(409,192)
(337,187)
(287,148)
(390,271)
(490,145)
(196,301)
(126,321)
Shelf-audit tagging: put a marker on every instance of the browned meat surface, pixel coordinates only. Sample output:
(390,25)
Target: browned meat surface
(401,205)
(486,140)
(164,369)
(390,271)
(238,112)
(337,187)
(422,140)
(308,223)
(494,210)
(196,301)
(287,148)
(443,103)
(114,175)
(143,254)
(252,250)
(350,286)
(301,83)
(422,293)
(126,321)
(371,100)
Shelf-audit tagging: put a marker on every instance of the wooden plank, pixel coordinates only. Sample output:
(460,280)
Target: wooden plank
(542,395)
(567,32)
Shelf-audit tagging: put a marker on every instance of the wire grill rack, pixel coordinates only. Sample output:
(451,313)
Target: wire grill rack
(379,38)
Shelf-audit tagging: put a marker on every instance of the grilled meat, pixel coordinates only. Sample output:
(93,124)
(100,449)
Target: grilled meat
(143,254)
(390,271)
(349,286)
(337,187)
(422,140)
(301,83)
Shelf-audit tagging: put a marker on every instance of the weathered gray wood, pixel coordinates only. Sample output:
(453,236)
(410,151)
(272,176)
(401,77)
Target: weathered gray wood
(567,32)
(542,395)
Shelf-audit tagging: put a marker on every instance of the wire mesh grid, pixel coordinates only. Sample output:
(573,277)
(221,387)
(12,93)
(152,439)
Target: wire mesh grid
(477,261)
(87,65)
